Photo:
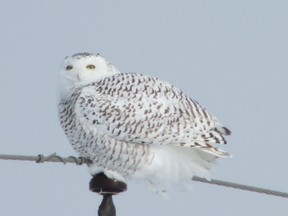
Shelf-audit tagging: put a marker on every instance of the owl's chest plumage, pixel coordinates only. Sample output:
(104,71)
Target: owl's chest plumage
(92,142)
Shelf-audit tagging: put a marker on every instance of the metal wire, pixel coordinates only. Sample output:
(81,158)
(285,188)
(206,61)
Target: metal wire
(241,187)
(50,158)
(80,161)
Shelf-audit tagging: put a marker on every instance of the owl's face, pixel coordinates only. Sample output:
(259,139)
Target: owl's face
(84,68)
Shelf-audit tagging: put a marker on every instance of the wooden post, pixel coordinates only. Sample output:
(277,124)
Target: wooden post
(106,187)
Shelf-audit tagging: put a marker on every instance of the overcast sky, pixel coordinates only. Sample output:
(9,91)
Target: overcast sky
(231,56)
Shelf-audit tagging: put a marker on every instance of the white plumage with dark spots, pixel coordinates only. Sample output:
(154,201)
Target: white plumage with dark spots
(133,125)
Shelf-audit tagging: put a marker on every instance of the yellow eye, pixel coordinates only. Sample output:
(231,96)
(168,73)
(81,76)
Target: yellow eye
(69,67)
(90,67)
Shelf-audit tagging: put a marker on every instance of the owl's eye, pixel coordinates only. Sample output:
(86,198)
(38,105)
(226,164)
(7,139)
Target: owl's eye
(90,66)
(69,67)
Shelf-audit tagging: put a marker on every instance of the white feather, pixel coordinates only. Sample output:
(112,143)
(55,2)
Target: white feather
(173,164)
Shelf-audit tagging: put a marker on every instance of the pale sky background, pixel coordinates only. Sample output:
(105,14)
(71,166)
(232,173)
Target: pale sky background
(231,56)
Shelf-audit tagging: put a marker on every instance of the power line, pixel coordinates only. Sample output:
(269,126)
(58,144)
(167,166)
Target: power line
(50,158)
(241,187)
(81,160)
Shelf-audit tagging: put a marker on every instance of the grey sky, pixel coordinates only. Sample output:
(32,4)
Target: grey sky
(231,56)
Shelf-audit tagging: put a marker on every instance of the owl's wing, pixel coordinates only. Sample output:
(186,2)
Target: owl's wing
(142,109)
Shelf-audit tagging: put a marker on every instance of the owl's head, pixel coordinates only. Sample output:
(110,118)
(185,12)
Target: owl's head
(84,68)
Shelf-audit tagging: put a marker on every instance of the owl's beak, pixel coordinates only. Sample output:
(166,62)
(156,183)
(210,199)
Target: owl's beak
(78,77)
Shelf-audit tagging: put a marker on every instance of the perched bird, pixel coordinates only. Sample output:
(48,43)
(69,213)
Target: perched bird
(133,125)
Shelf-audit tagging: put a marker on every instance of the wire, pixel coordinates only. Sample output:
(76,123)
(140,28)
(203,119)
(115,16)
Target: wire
(241,187)
(50,158)
(81,160)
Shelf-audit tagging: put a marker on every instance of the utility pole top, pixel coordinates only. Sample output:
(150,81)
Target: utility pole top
(106,187)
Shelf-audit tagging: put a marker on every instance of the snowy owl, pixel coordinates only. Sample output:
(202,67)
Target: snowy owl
(133,125)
